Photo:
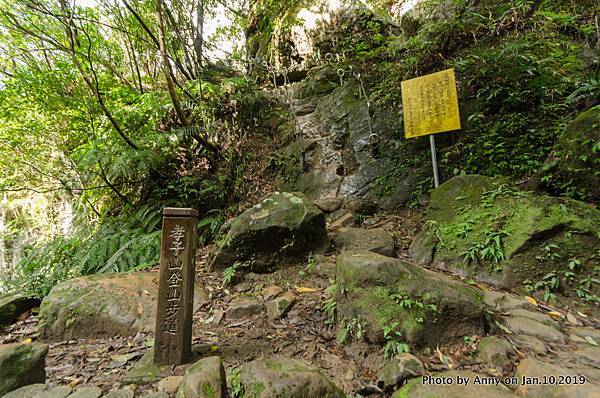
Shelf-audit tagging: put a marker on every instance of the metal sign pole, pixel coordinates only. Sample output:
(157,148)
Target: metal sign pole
(436,176)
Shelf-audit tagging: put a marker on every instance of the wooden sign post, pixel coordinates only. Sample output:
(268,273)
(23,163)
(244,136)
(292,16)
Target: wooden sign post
(173,333)
(430,106)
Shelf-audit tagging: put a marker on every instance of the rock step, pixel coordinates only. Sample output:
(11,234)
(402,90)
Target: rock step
(104,305)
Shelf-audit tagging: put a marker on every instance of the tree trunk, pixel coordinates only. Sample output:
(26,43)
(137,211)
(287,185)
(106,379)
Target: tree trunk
(167,64)
(94,87)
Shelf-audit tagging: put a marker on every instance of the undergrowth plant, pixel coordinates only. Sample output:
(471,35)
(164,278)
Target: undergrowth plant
(393,341)
(118,245)
(521,74)
(350,329)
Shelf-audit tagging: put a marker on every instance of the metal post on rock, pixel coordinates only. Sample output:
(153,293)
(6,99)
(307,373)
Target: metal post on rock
(436,175)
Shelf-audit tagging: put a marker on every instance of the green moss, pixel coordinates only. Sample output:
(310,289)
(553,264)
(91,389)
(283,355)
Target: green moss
(209,390)
(274,365)
(404,392)
(384,304)
(532,230)
(254,390)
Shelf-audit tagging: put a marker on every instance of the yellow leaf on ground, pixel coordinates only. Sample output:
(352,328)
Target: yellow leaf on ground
(27,340)
(140,309)
(531,300)
(306,289)
(572,320)
(555,314)
(74,383)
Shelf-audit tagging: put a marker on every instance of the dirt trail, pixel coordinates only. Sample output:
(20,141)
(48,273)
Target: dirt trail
(306,332)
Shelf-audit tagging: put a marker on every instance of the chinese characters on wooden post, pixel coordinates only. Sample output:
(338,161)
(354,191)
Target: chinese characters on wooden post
(173,333)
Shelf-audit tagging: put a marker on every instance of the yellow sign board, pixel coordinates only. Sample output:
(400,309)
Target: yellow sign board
(430,104)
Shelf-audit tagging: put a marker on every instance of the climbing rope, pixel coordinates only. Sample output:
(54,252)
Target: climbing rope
(332,60)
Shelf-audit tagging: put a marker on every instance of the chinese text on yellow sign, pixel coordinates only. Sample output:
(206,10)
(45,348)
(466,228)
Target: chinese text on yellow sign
(430,104)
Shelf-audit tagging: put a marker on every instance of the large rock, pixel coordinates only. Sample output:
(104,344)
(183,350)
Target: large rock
(204,379)
(29,391)
(495,353)
(104,305)
(282,225)
(571,168)
(245,306)
(87,392)
(21,365)
(377,240)
(486,229)
(44,391)
(285,378)
(529,327)
(348,152)
(397,370)
(449,387)
(538,374)
(429,307)
(12,305)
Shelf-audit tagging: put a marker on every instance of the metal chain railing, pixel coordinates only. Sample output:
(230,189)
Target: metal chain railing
(333,60)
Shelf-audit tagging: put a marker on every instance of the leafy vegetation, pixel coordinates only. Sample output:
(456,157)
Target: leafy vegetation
(522,69)
(393,341)
(104,113)
(350,329)
(117,110)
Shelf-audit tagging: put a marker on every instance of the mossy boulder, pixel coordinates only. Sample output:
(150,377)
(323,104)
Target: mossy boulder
(104,305)
(429,308)
(285,378)
(21,365)
(13,305)
(284,225)
(572,167)
(204,379)
(488,229)
(446,385)
(398,369)
(495,353)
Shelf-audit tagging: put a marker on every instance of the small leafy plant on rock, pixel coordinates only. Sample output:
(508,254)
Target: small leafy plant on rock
(393,341)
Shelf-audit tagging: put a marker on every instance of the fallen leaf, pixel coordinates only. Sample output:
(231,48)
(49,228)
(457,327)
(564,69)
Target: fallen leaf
(440,355)
(581,315)
(27,340)
(218,316)
(140,309)
(531,300)
(74,383)
(572,320)
(306,289)
(482,287)
(591,341)
(503,328)
(555,314)
(122,359)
